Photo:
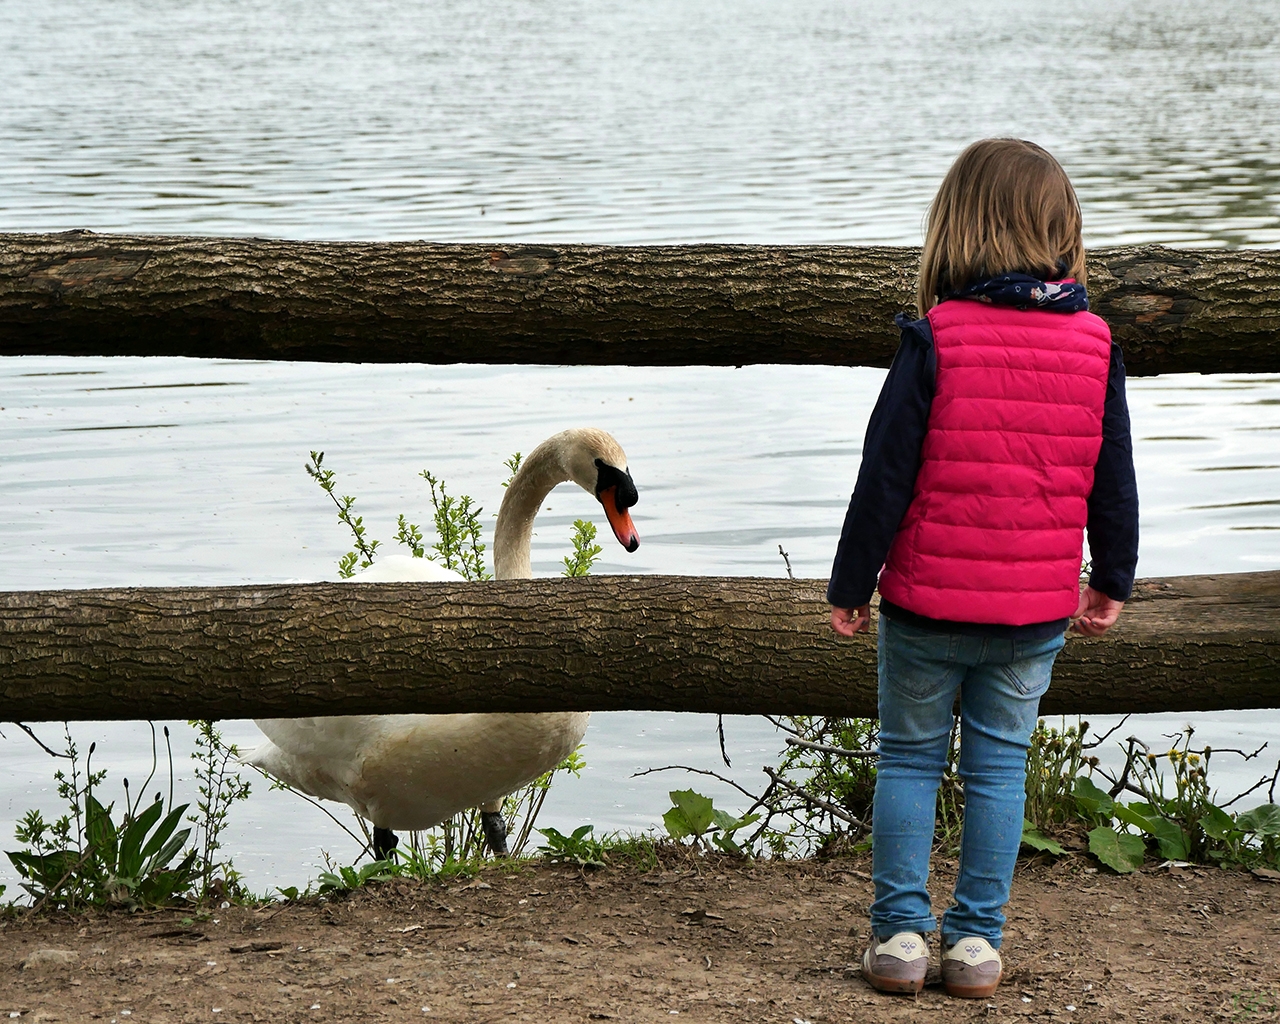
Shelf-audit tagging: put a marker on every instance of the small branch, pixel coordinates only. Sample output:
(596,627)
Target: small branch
(830,808)
(826,748)
(39,743)
(1257,785)
(779,724)
(786,558)
(697,771)
(1122,783)
(1110,732)
(720,731)
(48,893)
(314,803)
(1233,750)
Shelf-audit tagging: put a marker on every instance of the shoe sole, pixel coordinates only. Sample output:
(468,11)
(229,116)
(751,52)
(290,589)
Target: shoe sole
(973,991)
(897,986)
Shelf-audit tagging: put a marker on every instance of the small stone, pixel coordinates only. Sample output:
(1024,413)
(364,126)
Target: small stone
(39,958)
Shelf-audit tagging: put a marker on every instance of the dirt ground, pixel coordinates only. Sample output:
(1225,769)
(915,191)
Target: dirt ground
(717,941)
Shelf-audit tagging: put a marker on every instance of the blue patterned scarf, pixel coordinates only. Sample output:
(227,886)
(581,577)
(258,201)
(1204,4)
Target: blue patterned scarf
(1023,291)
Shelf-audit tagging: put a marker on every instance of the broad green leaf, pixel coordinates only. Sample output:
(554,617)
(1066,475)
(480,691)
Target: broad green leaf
(1218,824)
(130,858)
(100,830)
(1122,853)
(696,807)
(163,831)
(581,832)
(1091,799)
(677,824)
(1131,817)
(1037,840)
(160,859)
(1174,844)
(46,869)
(1264,820)
(726,842)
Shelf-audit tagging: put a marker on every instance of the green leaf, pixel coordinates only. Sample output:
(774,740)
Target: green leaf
(166,853)
(162,833)
(1122,853)
(729,823)
(101,832)
(1091,799)
(1263,820)
(677,824)
(1218,824)
(1131,817)
(47,870)
(698,811)
(726,842)
(130,859)
(1173,841)
(1037,840)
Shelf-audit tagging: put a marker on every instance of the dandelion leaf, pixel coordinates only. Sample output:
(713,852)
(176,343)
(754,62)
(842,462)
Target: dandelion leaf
(1263,820)
(1118,851)
(1037,840)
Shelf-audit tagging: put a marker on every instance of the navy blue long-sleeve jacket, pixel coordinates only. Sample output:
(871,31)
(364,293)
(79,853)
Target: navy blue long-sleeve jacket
(891,461)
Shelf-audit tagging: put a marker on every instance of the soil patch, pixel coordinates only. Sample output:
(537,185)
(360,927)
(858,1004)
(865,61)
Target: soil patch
(716,941)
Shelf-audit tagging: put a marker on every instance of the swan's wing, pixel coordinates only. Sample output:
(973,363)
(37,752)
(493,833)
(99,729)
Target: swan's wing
(404,569)
(431,766)
(322,757)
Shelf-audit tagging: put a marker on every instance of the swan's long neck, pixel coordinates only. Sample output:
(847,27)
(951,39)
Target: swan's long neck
(546,466)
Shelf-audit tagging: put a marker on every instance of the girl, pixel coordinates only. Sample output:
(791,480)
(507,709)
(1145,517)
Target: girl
(1000,435)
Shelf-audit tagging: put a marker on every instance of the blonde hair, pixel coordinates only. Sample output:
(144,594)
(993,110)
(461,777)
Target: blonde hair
(1006,205)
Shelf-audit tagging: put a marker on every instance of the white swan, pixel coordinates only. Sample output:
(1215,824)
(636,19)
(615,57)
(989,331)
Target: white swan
(415,771)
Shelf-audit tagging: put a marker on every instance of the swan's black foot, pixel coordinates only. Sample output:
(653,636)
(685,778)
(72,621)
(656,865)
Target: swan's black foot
(384,841)
(495,831)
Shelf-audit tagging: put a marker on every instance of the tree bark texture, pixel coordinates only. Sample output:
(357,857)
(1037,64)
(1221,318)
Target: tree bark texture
(84,294)
(673,643)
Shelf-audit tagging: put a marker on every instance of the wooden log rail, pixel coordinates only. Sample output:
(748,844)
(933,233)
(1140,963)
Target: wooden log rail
(84,294)
(674,643)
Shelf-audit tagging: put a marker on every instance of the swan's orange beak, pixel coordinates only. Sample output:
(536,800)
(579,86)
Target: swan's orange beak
(620,519)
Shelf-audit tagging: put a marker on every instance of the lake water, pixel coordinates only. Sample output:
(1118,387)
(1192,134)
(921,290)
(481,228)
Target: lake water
(605,122)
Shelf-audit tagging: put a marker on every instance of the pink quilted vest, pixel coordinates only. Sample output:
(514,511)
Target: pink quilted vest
(995,529)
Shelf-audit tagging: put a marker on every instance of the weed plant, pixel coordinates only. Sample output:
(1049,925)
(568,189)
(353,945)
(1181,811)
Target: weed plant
(1056,758)
(136,856)
(219,786)
(1177,813)
(819,797)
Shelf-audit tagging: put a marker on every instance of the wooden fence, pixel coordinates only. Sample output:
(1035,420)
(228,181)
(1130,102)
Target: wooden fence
(607,643)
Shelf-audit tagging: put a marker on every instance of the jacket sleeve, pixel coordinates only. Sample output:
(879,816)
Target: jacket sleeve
(890,463)
(1113,504)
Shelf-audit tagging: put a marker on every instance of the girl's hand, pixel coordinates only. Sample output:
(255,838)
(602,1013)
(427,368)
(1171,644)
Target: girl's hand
(847,621)
(1096,613)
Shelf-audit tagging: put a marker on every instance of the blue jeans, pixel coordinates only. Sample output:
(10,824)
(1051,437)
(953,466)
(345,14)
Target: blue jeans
(1000,684)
